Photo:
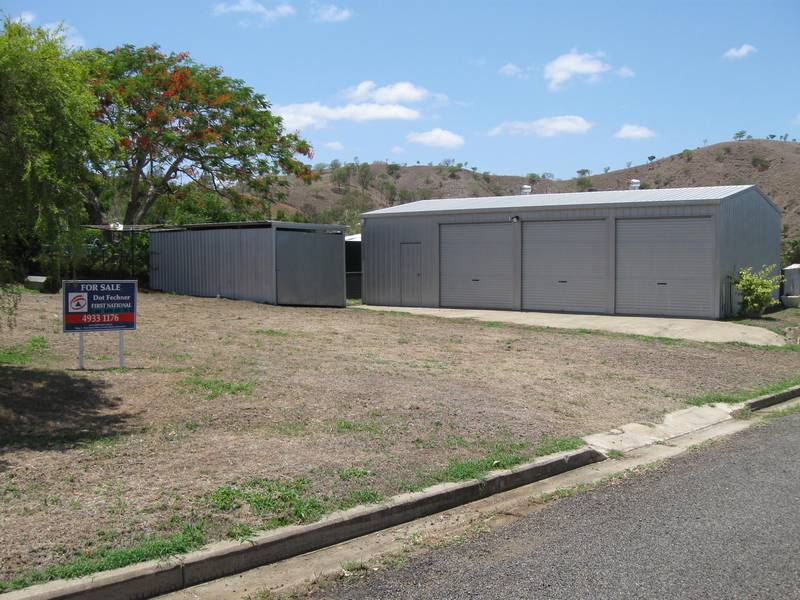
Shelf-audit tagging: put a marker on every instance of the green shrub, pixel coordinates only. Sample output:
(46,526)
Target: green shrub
(757,289)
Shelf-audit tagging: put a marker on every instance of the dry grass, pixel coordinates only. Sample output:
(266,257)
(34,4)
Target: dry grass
(240,415)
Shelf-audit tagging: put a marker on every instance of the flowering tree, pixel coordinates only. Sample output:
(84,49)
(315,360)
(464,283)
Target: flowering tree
(174,120)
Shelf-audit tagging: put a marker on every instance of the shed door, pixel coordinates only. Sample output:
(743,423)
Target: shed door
(476,269)
(565,266)
(665,267)
(411,274)
(310,268)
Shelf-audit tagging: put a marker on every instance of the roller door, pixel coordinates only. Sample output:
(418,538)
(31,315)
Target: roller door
(665,267)
(565,266)
(476,265)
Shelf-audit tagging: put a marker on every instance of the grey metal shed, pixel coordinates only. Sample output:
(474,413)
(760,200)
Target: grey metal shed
(262,261)
(671,252)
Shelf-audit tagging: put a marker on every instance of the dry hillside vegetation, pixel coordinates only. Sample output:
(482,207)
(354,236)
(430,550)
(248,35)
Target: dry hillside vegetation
(772,165)
(234,416)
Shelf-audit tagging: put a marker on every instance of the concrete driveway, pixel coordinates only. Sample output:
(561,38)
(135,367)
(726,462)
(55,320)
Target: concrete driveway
(697,330)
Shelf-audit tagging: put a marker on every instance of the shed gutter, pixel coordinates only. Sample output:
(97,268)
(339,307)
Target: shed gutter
(509,209)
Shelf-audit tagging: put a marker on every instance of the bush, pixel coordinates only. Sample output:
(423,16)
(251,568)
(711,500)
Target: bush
(583,183)
(760,163)
(757,289)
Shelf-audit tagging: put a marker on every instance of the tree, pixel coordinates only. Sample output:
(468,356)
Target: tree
(365,176)
(533,178)
(606,169)
(740,135)
(174,119)
(583,183)
(584,172)
(46,138)
(771,136)
(628,164)
(651,158)
(340,176)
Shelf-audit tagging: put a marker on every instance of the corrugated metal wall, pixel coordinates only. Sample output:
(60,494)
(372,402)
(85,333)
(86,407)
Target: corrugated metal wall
(382,237)
(310,268)
(231,263)
(750,230)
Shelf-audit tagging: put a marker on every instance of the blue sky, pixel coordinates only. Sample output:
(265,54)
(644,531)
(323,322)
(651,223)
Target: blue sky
(510,87)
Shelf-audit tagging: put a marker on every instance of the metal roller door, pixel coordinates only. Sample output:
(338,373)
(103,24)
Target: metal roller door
(665,267)
(476,265)
(565,266)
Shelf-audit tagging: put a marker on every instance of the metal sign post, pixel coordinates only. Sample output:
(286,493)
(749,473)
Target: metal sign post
(100,305)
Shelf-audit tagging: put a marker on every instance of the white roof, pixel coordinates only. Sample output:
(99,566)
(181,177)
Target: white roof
(570,199)
(356,237)
(794,266)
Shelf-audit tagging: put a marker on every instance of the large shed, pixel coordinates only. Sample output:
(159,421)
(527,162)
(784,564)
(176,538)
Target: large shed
(263,261)
(671,252)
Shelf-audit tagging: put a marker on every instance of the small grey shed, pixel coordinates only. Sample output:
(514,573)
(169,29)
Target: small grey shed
(262,261)
(671,252)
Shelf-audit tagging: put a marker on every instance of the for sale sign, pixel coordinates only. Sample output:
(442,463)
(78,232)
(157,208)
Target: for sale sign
(99,305)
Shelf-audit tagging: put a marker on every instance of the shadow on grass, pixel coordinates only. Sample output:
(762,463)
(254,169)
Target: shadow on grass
(46,409)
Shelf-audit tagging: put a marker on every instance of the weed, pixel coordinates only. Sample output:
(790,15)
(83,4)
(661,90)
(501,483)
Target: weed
(744,395)
(551,445)
(353,473)
(214,388)
(495,324)
(743,414)
(358,497)
(614,453)
(190,537)
(354,566)
(291,428)
(281,503)
(240,532)
(347,426)
(23,354)
(784,412)
(273,332)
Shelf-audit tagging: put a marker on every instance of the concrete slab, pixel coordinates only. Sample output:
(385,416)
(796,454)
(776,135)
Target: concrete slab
(697,330)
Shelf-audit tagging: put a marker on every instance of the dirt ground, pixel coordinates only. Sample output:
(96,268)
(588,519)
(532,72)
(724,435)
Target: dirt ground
(344,405)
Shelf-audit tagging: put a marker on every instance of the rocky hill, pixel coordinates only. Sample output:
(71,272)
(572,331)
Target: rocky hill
(772,165)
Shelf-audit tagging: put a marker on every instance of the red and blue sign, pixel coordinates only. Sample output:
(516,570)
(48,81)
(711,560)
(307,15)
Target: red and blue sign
(100,305)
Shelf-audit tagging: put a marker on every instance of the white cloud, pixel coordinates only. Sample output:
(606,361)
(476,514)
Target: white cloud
(335,146)
(397,150)
(438,138)
(72,38)
(315,114)
(330,13)
(403,91)
(634,132)
(565,67)
(625,72)
(545,127)
(251,7)
(510,70)
(26,17)
(740,52)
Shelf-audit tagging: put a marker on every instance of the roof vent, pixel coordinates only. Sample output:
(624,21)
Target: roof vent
(634,184)
(526,189)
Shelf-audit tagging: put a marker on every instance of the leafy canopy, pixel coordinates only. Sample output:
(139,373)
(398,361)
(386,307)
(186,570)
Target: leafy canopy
(175,120)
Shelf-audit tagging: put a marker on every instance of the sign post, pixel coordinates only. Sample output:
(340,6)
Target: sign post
(100,305)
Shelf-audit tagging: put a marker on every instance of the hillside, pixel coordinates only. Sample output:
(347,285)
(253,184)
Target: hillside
(772,165)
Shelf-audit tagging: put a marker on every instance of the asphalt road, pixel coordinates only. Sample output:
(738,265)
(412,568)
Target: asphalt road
(719,522)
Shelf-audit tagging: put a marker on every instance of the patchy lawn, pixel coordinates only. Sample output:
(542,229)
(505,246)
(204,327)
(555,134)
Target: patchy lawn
(234,416)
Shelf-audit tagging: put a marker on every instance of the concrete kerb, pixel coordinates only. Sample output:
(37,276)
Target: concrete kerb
(771,399)
(153,578)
